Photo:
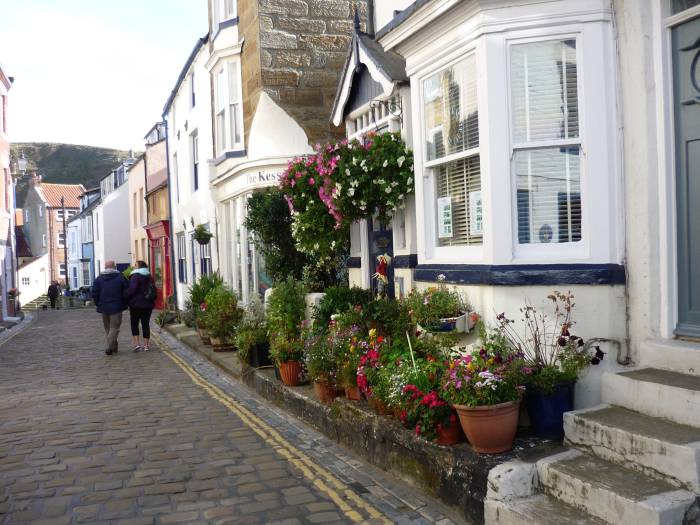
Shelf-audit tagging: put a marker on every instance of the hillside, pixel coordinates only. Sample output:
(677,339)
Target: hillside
(64,163)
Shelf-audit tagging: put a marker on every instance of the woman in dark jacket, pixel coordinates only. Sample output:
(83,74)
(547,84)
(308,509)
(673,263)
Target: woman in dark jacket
(140,304)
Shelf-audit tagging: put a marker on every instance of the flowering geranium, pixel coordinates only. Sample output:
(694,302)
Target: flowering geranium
(370,362)
(484,377)
(426,412)
(342,183)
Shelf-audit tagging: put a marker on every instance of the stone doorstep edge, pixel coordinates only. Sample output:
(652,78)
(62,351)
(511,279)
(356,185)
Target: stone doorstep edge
(456,475)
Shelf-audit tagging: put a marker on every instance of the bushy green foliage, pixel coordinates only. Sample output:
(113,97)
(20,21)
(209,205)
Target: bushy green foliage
(222,315)
(286,309)
(338,300)
(252,330)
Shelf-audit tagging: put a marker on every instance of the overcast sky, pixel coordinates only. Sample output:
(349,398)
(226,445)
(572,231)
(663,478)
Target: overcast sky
(95,72)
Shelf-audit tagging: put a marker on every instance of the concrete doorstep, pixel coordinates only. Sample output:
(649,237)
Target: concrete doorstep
(456,475)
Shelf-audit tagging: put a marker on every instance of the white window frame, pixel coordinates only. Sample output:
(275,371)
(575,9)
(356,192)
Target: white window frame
(58,240)
(231,108)
(554,250)
(59,215)
(195,164)
(26,281)
(43,240)
(430,251)
(62,270)
(41,210)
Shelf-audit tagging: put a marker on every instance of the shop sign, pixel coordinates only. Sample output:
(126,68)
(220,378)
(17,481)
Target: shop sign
(444,214)
(263,177)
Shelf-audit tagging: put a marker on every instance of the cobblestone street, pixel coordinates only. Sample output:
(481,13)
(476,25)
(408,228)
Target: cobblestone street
(164,437)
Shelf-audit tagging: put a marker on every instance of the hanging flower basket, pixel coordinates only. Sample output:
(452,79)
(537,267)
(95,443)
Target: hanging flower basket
(202,235)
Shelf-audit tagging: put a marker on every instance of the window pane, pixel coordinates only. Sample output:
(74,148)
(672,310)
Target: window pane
(544,91)
(459,208)
(220,90)
(233,82)
(681,5)
(451,113)
(548,195)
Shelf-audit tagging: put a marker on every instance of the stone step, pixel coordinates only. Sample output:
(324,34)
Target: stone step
(612,493)
(655,392)
(535,510)
(656,447)
(671,354)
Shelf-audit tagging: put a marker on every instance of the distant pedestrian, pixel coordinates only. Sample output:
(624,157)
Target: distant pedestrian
(53,292)
(108,291)
(141,296)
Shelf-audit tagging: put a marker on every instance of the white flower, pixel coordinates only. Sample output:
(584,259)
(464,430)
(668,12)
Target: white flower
(316,246)
(364,161)
(394,184)
(411,168)
(400,160)
(333,244)
(354,183)
(409,181)
(351,191)
(385,164)
(388,189)
(347,171)
(441,277)
(354,161)
(363,203)
(401,197)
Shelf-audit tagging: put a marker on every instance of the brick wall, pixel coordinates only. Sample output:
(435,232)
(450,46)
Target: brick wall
(301,46)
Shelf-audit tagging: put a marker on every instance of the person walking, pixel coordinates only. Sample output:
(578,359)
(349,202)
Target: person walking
(108,292)
(53,292)
(141,297)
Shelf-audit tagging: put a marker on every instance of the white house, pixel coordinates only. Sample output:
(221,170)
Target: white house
(110,220)
(75,252)
(189,135)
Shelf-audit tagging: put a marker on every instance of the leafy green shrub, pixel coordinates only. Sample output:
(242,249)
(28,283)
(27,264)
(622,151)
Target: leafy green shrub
(286,308)
(222,315)
(252,330)
(338,300)
(200,289)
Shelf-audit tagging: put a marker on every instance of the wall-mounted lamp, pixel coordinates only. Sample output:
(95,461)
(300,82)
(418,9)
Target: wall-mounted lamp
(392,106)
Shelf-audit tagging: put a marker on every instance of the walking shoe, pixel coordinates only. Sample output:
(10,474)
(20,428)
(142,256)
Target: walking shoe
(146,349)
(137,348)
(108,352)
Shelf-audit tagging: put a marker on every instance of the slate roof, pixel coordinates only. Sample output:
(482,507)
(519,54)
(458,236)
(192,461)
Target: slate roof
(52,194)
(21,243)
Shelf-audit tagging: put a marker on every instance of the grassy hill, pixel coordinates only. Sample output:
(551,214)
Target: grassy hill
(64,163)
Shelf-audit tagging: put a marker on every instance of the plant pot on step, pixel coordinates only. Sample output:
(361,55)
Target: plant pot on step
(221,345)
(259,355)
(448,435)
(490,429)
(353,393)
(379,406)
(204,335)
(546,411)
(325,391)
(290,372)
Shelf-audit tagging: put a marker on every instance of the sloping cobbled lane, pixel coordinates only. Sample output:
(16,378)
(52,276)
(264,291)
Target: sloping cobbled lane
(165,437)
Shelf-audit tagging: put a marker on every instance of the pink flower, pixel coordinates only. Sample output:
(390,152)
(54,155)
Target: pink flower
(312,181)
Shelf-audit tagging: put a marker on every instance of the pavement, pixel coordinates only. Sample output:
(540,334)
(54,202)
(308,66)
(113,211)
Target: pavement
(165,437)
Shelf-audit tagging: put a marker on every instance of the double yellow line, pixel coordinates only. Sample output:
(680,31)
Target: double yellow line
(345,499)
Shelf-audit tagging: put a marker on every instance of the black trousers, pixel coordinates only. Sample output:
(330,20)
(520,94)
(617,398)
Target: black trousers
(53,302)
(143,316)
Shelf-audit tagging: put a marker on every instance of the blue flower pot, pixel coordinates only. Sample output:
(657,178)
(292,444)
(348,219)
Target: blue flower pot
(546,411)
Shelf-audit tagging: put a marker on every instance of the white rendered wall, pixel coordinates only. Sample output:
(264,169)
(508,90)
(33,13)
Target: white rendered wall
(384,11)
(39,276)
(117,235)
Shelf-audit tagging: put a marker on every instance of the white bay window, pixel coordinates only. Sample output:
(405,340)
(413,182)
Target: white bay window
(228,115)
(452,151)
(546,141)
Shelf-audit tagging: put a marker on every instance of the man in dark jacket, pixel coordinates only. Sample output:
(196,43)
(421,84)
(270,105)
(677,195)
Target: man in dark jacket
(53,292)
(108,293)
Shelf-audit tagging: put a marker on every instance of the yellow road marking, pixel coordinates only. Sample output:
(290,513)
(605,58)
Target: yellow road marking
(322,478)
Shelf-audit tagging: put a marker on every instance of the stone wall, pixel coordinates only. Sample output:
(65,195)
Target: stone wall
(303,45)
(249,28)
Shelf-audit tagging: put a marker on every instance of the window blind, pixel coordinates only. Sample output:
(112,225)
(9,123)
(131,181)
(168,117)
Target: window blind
(460,183)
(234,105)
(549,195)
(451,112)
(544,91)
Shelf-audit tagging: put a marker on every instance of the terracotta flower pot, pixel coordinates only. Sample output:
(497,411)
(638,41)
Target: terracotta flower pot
(325,392)
(490,429)
(353,393)
(379,406)
(221,345)
(448,436)
(290,372)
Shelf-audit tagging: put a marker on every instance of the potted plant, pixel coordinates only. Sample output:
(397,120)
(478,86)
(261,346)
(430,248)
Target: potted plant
(198,294)
(430,416)
(373,378)
(483,388)
(349,361)
(554,359)
(439,309)
(285,315)
(221,317)
(251,338)
(321,359)
(202,235)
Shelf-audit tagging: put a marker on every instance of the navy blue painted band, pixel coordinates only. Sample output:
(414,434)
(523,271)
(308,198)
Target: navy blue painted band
(355,262)
(405,261)
(523,274)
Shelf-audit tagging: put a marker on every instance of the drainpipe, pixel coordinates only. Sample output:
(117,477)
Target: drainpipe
(369,26)
(170,214)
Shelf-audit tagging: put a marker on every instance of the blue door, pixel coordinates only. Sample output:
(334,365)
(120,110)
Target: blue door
(686,80)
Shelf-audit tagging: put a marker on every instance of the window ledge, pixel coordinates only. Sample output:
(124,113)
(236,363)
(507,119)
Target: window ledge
(236,154)
(231,22)
(523,274)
